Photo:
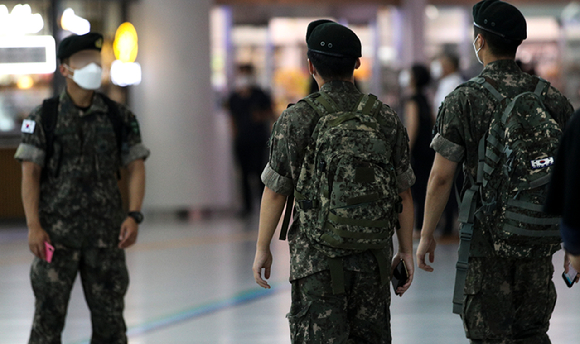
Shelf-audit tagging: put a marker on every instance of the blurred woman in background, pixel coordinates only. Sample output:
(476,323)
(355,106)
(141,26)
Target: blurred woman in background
(419,121)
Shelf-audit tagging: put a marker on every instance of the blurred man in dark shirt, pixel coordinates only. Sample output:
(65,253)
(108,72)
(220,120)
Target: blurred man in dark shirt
(251,111)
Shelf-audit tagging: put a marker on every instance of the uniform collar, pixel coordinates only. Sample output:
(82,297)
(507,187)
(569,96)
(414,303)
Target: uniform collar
(98,104)
(339,86)
(506,66)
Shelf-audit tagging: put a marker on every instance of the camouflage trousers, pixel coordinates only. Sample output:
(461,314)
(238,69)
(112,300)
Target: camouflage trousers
(104,279)
(508,301)
(359,316)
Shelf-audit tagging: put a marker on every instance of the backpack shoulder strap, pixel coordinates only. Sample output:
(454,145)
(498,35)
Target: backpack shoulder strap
(327,102)
(467,211)
(119,126)
(541,86)
(484,82)
(49,116)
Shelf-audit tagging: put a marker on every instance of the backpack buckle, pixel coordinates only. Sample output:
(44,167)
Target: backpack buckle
(307,204)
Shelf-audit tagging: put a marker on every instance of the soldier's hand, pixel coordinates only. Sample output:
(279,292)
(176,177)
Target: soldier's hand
(409,264)
(574,261)
(263,260)
(426,246)
(36,238)
(129,231)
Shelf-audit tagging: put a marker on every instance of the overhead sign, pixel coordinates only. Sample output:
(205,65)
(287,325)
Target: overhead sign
(27,55)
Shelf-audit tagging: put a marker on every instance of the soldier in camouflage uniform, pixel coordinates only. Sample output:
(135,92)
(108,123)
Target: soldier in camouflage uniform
(507,300)
(317,315)
(72,200)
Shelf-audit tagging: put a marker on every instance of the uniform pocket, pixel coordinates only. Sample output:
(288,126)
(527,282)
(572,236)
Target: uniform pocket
(473,280)
(299,319)
(472,307)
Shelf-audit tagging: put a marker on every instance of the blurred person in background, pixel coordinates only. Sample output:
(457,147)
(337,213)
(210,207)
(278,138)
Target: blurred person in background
(446,70)
(564,191)
(72,149)
(251,112)
(419,121)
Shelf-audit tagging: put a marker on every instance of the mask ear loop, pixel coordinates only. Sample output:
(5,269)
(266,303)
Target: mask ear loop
(69,69)
(477,50)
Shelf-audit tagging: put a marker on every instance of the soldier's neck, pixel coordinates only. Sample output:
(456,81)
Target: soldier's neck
(320,81)
(80,97)
(489,58)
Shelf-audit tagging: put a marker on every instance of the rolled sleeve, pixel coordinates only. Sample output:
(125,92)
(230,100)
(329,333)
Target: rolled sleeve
(406,180)
(447,149)
(137,151)
(277,182)
(29,152)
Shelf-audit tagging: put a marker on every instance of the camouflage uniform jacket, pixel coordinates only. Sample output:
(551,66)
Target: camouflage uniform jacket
(81,205)
(288,142)
(465,117)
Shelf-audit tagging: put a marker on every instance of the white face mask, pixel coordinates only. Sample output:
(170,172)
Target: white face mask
(244,81)
(477,50)
(404,78)
(88,77)
(436,69)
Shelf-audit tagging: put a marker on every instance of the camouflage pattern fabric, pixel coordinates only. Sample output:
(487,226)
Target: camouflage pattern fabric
(359,316)
(465,116)
(80,202)
(290,137)
(509,300)
(105,281)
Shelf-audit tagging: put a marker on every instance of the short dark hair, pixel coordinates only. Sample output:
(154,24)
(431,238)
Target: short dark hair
(453,59)
(246,68)
(499,46)
(332,67)
(421,75)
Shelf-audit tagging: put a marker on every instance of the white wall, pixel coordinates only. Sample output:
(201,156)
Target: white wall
(175,105)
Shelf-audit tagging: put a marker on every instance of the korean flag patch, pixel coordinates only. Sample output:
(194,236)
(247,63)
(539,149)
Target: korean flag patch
(28,126)
(542,163)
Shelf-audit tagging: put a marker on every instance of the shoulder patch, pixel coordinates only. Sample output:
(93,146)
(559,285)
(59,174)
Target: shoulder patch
(28,126)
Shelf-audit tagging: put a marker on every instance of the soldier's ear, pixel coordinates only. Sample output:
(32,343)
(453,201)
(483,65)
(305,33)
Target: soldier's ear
(63,70)
(357,63)
(311,68)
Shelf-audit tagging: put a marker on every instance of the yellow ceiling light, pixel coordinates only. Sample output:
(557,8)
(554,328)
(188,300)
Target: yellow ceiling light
(25,82)
(125,45)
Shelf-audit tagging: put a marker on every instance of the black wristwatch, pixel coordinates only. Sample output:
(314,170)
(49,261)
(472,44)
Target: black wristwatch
(136,215)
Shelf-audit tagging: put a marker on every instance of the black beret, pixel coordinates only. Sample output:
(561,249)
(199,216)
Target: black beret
(75,43)
(330,38)
(500,18)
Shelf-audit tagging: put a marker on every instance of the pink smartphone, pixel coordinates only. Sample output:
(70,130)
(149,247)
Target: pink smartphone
(48,251)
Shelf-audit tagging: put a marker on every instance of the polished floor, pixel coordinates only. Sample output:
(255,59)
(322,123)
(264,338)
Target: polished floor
(192,283)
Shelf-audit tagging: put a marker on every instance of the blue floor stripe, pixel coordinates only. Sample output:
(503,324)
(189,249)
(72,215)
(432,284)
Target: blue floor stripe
(203,310)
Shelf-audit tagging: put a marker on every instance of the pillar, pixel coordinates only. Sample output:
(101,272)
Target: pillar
(175,105)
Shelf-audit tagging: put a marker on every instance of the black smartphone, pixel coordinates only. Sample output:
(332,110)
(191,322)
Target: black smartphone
(400,276)
(570,277)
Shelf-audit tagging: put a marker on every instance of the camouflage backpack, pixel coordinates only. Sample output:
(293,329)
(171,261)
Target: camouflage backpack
(346,195)
(515,158)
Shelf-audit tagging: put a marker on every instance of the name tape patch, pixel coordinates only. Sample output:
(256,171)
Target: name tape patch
(542,163)
(28,126)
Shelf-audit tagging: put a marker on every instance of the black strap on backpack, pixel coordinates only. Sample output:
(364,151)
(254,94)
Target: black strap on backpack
(49,117)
